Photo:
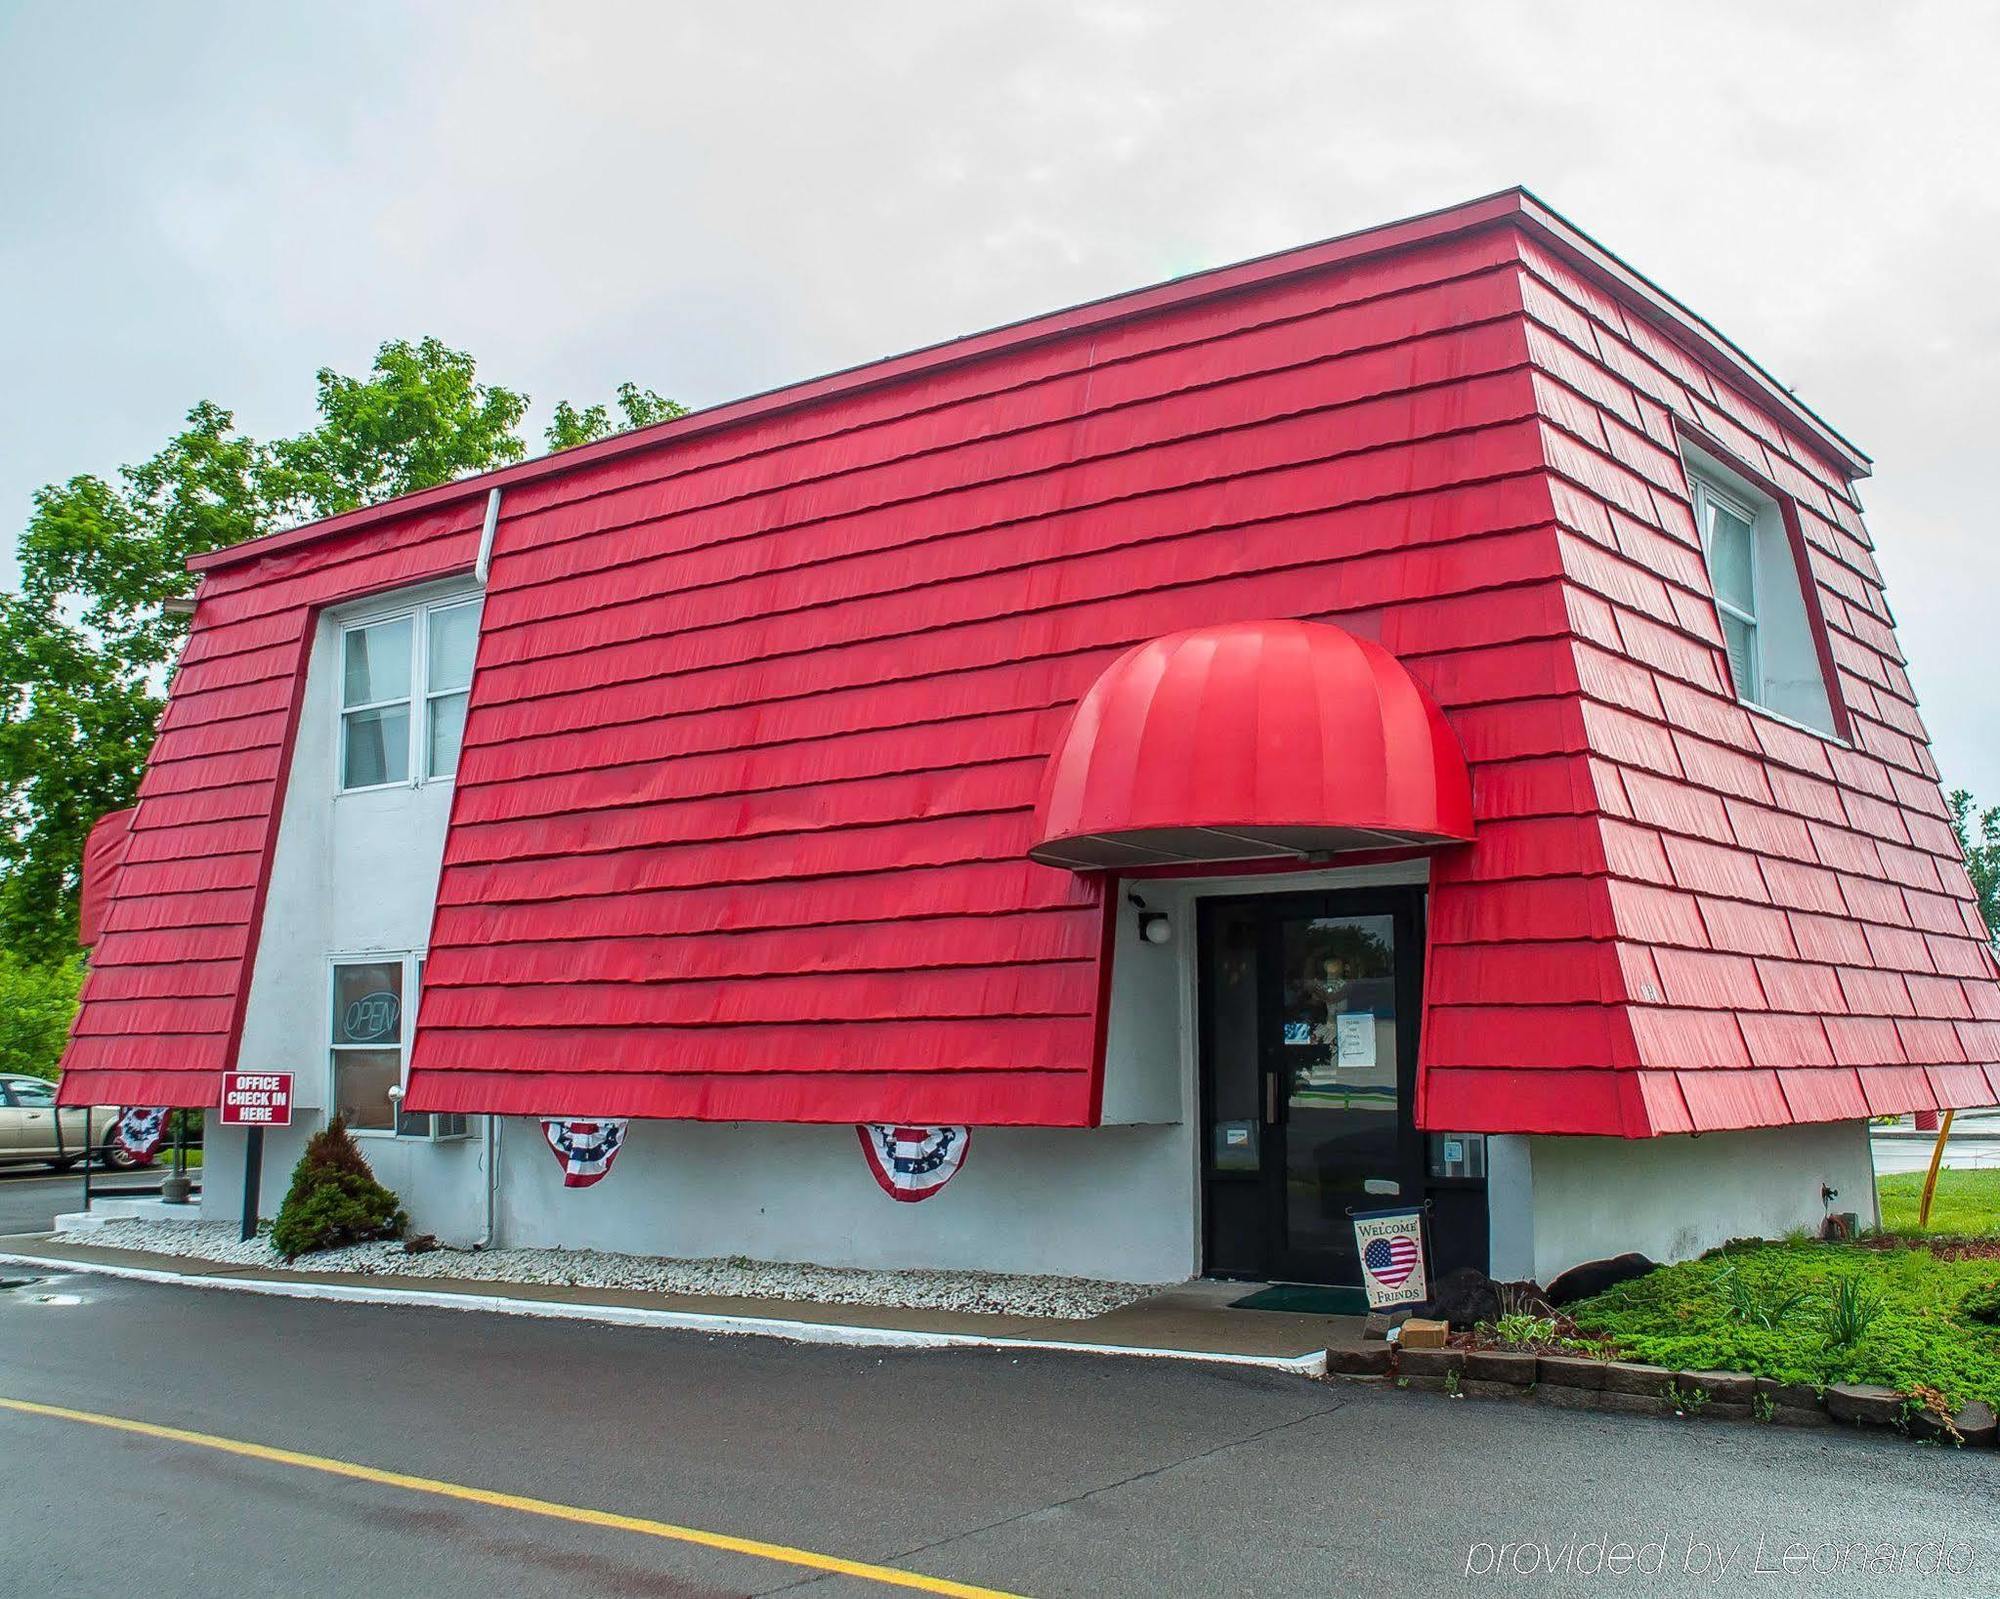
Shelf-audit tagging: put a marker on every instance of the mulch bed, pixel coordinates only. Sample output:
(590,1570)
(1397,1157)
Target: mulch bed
(1943,1248)
(1567,1339)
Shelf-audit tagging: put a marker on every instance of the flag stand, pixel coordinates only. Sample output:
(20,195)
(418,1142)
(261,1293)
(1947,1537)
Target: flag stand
(1931,1177)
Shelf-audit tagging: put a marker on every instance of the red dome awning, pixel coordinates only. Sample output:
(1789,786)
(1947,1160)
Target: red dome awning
(1252,740)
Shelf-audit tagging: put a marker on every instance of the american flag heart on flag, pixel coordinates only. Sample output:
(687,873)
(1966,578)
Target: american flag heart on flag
(1391,1244)
(1392,1259)
(585,1148)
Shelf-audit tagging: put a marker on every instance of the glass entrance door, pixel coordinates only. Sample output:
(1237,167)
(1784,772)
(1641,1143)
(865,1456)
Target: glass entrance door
(1309,1076)
(1339,1084)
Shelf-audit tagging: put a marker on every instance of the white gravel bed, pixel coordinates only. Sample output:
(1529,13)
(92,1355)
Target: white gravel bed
(989,1293)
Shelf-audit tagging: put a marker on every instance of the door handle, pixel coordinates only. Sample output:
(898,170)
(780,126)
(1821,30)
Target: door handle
(1271,1098)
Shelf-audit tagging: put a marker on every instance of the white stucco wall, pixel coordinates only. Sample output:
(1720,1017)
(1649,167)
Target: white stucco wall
(1146,1078)
(1101,1202)
(1510,1207)
(353,874)
(1562,1201)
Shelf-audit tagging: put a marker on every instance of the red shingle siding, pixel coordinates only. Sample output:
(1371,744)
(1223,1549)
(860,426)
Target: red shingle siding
(1828,865)
(771,707)
(170,974)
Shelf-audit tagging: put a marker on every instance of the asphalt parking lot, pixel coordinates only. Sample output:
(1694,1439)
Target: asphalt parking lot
(1011,1473)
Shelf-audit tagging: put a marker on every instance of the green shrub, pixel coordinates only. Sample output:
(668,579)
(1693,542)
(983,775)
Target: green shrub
(334,1199)
(1517,1328)
(37,1004)
(1906,1309)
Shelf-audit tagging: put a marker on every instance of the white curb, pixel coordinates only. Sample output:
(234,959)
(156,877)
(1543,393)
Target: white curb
(799,1332)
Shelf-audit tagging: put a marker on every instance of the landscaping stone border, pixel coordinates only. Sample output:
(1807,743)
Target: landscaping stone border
(1576,1382)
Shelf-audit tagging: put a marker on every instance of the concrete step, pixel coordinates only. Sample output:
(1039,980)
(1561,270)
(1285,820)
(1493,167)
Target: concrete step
(150,1208)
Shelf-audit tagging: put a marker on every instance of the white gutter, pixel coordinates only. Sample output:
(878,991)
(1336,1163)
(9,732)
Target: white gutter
(484,562)
(486,1238)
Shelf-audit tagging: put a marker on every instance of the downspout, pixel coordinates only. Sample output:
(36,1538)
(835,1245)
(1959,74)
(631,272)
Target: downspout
(481,566)
(483,562)
(486,1238)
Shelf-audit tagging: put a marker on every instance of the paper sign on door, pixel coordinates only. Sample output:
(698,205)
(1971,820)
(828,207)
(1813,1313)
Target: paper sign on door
(1354,1041)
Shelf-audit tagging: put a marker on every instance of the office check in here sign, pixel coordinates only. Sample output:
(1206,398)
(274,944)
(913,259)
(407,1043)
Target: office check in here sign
(256,1099)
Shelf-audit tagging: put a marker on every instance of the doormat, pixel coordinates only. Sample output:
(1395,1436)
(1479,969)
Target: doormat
(1309,1299)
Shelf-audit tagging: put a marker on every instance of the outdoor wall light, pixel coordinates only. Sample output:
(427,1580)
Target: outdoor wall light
(1155,927)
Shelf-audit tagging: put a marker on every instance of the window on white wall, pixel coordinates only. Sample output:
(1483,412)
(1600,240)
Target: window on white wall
(451,638)
(404,683)
(1774,660)
(370,1028)
(375,704)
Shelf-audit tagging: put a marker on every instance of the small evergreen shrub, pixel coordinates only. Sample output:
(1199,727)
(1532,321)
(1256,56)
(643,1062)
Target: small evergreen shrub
(334,1199)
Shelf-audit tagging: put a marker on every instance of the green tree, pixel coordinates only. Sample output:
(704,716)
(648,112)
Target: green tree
(87,643)
(420,417)
(1978,833)
(36,1004)
(85,646)
(637,408)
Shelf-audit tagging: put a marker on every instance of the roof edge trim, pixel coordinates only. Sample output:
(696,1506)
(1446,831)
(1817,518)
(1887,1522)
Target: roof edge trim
(1638,290)
(1517,206)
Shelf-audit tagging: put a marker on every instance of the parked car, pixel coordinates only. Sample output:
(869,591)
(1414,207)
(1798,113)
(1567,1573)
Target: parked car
(28,1125)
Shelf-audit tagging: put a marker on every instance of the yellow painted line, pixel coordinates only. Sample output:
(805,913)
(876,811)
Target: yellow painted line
(784,1554)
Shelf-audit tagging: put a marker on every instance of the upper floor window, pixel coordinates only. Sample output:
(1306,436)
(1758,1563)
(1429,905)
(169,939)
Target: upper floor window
(1774,660)
(404,681)
(1729,530)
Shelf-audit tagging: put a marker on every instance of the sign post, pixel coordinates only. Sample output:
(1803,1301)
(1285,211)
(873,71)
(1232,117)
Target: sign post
(253,1180)
(255,1100)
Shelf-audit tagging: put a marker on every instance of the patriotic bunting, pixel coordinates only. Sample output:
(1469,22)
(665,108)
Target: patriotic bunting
(140,1130)
(586,1149)
(912,1163)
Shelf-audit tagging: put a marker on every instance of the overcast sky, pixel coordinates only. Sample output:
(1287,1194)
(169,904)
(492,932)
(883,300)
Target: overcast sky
(211,201)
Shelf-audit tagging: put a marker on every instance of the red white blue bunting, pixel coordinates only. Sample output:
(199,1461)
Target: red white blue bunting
(912,1163)
(586,1149)
(140,1130)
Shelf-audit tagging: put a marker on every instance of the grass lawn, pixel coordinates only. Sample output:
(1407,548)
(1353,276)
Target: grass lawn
(1766,1308)
(1966,1205)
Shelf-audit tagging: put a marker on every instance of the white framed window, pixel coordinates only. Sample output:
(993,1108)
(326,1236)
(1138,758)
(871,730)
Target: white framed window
(1729,539)
(1767,632)
(404,682)
(369,1029)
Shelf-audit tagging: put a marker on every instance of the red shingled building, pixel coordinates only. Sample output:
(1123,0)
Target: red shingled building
(1469,666)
